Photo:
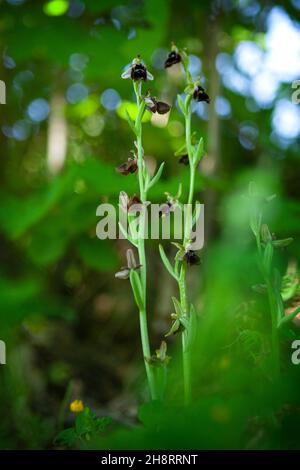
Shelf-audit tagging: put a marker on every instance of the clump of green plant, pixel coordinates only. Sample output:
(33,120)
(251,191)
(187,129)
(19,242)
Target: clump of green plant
(137,272)
(87,425)
(278,289)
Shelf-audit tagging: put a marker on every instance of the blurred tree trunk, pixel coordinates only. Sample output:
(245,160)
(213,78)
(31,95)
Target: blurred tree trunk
(211,164)
(57,134)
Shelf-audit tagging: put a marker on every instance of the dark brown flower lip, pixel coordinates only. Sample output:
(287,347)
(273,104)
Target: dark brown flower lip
(162,107)
(137,71)
(127,202)
(184,160)
(200,95)
(173,58)
(191,258)
(128,167)
(155,106)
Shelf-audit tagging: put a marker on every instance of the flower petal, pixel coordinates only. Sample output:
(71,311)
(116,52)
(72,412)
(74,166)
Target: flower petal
(123,273)
(126,73)
(149,76)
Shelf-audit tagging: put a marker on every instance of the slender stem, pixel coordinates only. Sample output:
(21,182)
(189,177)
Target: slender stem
(274,333)
(186,359)
(187,372)
(188,138)
(141,242)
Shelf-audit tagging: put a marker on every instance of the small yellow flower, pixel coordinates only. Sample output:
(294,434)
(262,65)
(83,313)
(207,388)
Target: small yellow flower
(76,406)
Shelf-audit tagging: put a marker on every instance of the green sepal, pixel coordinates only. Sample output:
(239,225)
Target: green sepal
(282,243)
(268,256)
(177,306)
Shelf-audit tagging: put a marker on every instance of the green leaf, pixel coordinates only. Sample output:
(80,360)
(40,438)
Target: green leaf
(137,289)
(189,89)
(268,256)
(157,176)
(179,246)
(127,108)
(199,151)
(282,243)
(56,7)
(83,423)
(181,104)
(166,262)
(260,288)
(127,236)
(265,233)
(67,437)
(174,328)
(197,211)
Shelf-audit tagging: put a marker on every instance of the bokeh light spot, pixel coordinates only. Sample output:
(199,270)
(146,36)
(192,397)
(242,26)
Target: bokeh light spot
(175,128)
(222,107)
(76,93)
(56,7)
(78,61)
(248,135)
(38,110)
(110,99)
(21,130)
(286,119)
(93,125)
(76,8)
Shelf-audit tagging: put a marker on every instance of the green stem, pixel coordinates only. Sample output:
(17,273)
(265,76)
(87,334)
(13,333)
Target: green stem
(273,309)
(141,243)
(274,332)
(186,359)
(188,138)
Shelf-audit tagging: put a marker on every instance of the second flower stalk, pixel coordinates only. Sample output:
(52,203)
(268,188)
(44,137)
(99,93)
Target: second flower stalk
(138,277)
(185,317)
